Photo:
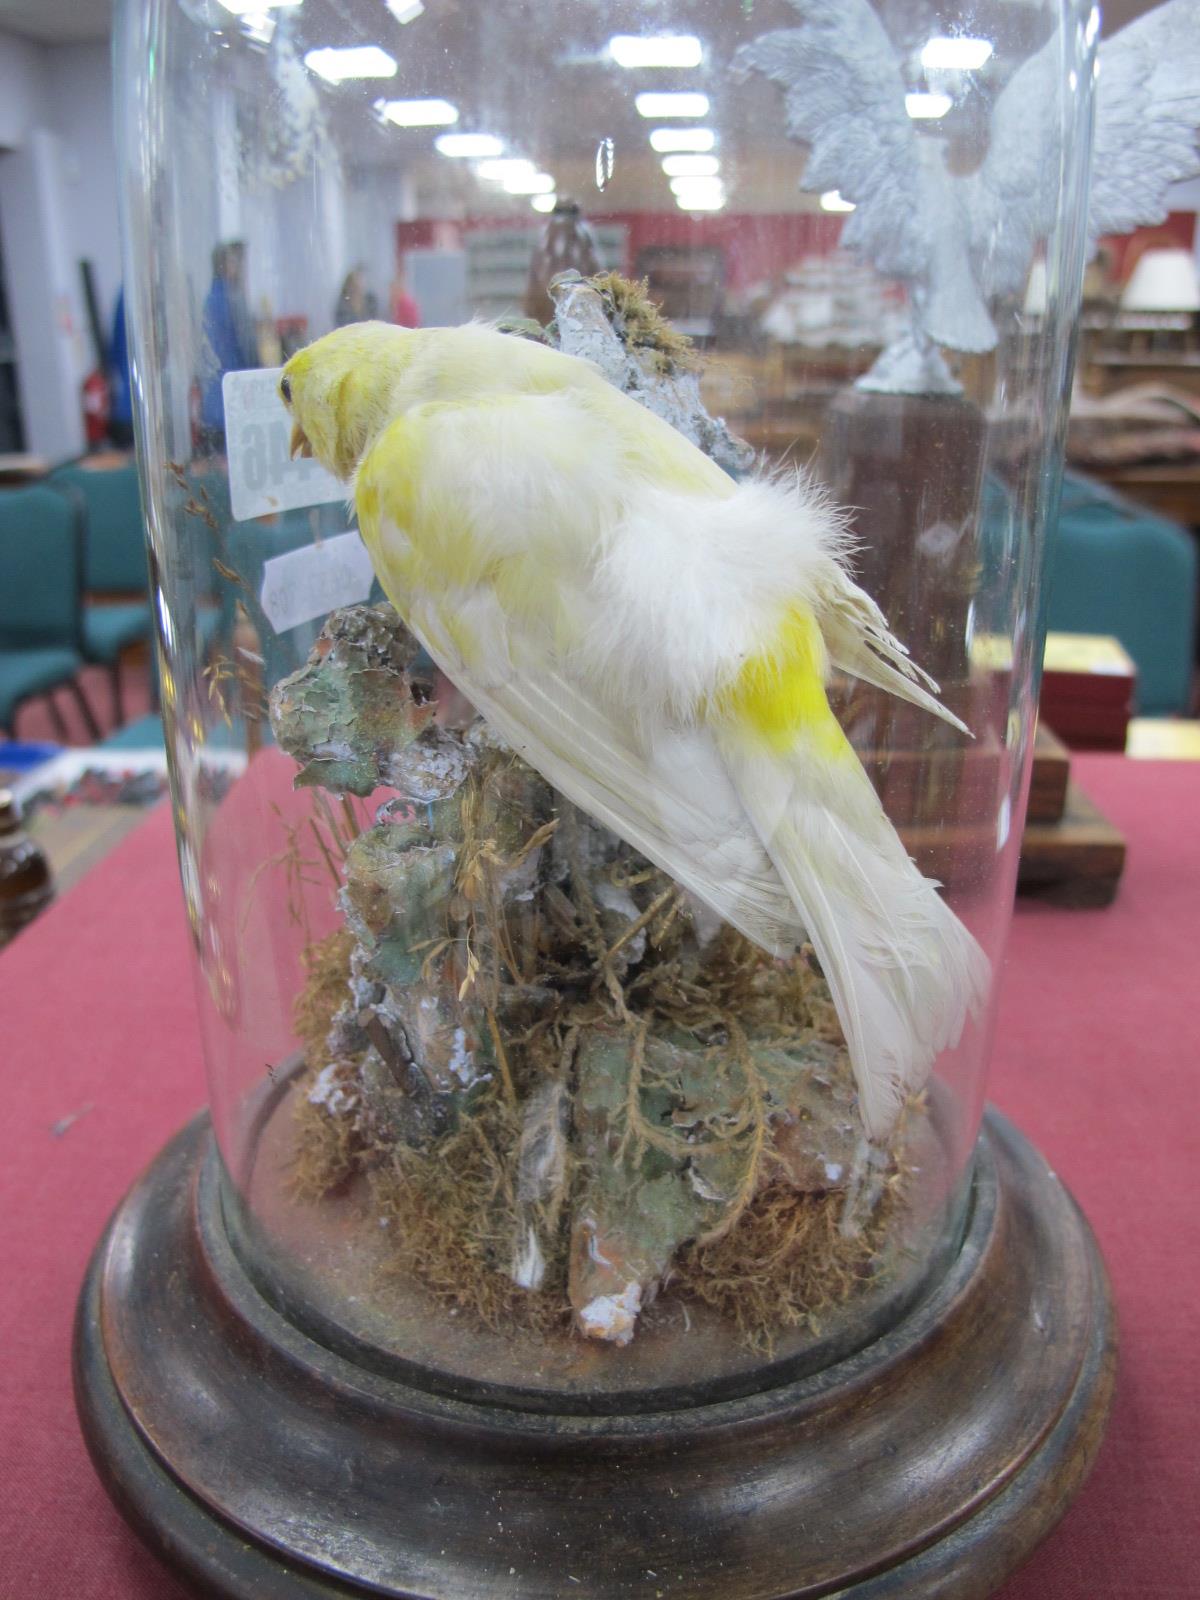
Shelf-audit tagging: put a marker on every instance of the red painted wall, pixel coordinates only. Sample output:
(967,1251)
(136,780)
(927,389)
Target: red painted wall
(755,246)
(761,246)
(1179,229)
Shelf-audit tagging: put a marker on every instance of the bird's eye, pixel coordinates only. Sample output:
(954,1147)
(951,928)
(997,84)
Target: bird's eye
(285,389)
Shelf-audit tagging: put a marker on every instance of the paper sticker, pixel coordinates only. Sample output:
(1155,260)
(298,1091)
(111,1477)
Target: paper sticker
(317,578)
(258,431)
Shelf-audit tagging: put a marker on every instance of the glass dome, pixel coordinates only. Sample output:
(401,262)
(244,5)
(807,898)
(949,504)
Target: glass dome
(599,861)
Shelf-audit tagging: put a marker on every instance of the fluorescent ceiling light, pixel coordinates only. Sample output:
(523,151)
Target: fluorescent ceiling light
(831,200)
(544,202)
(258,26)
(927,106)
(958,54)
(529,183)
(665,140)
(354,61)
(667,50)
(239,8)
(701,200)
(691,166)
(469,146)
(698,194)
(498,171)
(419,113)
(683,104)
(405,10)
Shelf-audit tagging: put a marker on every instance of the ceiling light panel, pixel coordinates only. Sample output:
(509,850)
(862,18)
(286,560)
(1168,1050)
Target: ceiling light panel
(925,107)
(258,26)
(666,50)
(419,113)
(957,54)
(498,171)
(354,61)
(666,140)
(684,103)
(469,146)
(691,166)
(529,183)
(239,8)
(701,200)
(678,185)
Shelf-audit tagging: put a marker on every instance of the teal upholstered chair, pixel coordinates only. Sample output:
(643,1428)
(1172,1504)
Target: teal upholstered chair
(115,614)
(1114,569)
(41,582)
(1118,569)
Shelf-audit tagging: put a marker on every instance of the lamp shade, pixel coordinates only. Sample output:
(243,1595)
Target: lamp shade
(1163,280)
(1037,290)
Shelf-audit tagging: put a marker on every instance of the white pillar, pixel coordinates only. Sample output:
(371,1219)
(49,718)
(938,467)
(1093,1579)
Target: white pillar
(44,299)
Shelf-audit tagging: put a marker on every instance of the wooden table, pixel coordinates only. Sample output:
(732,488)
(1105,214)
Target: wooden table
(1096,1047)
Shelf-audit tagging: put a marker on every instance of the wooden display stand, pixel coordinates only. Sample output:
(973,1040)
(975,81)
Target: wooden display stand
(911,465)
(1071,855)
(259,1462)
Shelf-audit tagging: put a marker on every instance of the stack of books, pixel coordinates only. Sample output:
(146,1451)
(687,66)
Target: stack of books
(1088,685)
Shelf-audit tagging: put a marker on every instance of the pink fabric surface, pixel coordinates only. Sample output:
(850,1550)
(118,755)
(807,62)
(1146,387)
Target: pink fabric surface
(1097,1059)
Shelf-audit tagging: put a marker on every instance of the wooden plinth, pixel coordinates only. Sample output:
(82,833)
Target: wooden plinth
(259,1464)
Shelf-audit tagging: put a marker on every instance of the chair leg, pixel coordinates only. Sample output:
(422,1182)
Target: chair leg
(85,709)
(57,718)
(114,677)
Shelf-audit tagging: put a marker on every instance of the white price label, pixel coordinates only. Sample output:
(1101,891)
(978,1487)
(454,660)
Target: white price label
(258,430)
(317,578)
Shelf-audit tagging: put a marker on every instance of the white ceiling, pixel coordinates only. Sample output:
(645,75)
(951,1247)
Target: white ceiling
(57,21)
(74,21)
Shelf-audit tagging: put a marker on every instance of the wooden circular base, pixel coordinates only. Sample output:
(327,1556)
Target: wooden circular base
(259,1464)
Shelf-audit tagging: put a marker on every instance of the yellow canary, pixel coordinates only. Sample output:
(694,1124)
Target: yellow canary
(655,639)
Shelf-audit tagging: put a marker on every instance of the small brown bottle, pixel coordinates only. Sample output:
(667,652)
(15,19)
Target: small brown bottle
(26,886)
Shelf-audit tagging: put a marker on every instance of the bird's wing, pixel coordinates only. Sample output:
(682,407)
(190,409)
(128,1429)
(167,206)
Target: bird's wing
(666,793)
(1016,194)
(481,522)
(860,643)
(1147,117)
(844,98)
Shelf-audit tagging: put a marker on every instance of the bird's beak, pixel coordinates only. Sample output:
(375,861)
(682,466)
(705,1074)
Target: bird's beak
(300,445)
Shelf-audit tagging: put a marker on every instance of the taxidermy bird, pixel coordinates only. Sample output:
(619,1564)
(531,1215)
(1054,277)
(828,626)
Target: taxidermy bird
(963,239)
(655,639)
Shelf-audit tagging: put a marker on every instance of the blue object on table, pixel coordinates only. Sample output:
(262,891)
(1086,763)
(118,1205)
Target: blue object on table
(22,755)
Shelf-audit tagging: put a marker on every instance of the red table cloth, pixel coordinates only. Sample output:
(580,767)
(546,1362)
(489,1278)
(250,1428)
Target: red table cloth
(1097,1059)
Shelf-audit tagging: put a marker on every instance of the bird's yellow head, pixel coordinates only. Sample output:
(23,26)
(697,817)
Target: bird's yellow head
(342,391)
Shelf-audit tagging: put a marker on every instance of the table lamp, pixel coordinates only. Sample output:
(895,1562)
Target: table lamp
(1163,280)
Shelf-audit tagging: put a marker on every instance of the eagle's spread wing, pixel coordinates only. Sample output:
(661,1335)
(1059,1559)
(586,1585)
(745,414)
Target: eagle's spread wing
(1147,118)
(844,99)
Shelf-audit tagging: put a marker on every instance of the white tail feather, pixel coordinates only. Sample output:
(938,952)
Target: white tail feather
(903,970)
(860,643)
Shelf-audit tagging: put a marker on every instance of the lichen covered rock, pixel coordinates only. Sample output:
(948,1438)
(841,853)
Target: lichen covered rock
(351,713)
